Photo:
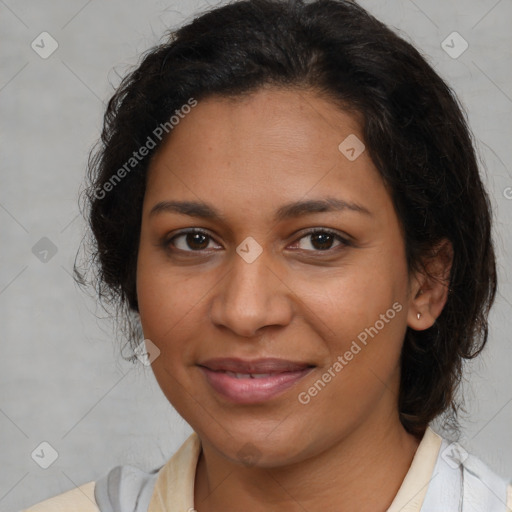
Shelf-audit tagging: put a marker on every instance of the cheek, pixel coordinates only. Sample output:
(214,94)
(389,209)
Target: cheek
(159,307)
(172,307)
(363,317)
(165,311)
(163,296)
(364,357)
(353,300)
(163,314)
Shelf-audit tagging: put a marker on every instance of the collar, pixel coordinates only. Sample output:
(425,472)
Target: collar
(412,492)
(175,482)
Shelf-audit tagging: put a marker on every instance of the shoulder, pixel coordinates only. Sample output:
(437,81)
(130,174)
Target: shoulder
(125,488)
(482,487)
(80,499)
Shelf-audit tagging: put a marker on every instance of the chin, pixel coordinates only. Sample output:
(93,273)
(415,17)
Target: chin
(253,448)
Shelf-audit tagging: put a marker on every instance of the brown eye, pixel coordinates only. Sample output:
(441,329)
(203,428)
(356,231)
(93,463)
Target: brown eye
(190,241)
(322,240)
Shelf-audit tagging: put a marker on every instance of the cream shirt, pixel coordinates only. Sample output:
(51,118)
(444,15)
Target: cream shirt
(174,488)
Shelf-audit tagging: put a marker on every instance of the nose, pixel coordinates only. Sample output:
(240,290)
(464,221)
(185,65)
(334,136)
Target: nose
(252,296)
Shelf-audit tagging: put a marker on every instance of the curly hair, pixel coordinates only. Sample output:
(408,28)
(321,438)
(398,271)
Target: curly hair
(415,131)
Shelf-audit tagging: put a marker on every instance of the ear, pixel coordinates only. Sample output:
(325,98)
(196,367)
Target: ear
(429,288)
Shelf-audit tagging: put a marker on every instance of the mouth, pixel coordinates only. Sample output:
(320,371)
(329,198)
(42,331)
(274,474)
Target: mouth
(249,382)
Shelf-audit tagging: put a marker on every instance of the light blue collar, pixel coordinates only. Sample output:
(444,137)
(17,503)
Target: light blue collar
(463,483)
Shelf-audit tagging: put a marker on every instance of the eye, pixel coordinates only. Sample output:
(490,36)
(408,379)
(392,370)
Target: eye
(195,239)
(322,240)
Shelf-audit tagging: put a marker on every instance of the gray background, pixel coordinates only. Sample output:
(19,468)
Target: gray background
(62,378)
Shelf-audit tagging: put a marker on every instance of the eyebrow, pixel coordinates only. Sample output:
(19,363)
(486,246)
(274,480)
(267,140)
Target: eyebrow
(287,211)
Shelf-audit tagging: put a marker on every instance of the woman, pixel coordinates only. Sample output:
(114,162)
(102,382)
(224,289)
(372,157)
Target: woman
(287,198)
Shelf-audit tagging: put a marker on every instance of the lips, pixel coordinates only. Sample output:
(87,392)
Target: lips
(244,382)
(257,366)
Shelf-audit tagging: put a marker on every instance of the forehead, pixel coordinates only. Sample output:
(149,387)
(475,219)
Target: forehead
(271,145)
(290,120)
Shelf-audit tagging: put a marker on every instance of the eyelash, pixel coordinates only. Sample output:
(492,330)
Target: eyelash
(312,231)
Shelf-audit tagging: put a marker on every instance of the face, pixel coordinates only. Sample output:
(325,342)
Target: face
(278,299)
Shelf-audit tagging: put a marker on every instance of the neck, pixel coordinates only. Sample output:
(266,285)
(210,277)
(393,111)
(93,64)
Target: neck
(362,472)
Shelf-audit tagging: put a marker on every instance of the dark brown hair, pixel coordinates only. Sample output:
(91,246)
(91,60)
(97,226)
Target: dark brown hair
(414,129)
